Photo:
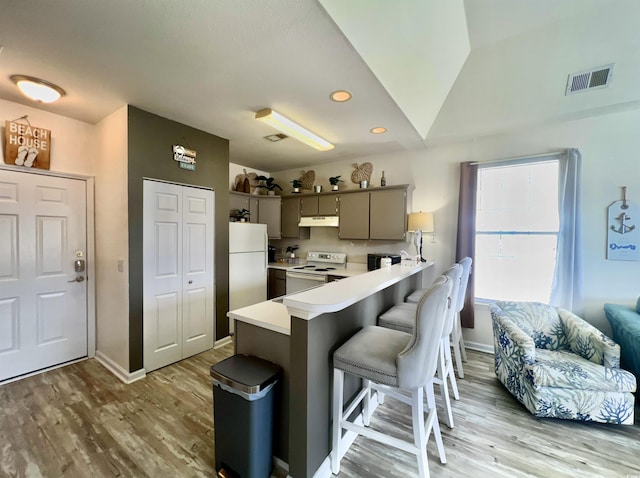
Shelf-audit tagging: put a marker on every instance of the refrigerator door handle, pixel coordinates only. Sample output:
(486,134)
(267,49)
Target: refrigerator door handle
(266,249)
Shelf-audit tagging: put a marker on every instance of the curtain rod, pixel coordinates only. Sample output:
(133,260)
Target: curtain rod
(542,155)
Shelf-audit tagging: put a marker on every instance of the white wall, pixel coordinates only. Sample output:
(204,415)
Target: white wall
(609,148)
(235,169)
(112,238)
(71,140)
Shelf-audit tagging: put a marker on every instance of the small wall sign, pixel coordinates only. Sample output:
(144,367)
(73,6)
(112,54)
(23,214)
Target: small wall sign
(186,157)
(623,234)
(27,145)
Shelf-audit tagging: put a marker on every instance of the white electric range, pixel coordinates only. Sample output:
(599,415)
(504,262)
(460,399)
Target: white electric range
(316,271)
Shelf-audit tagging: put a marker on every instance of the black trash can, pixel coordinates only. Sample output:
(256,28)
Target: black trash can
(243,396)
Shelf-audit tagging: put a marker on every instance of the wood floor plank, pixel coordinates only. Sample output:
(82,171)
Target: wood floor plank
(80,421)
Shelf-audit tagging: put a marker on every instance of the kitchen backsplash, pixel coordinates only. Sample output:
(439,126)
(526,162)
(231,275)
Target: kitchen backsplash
(326,239)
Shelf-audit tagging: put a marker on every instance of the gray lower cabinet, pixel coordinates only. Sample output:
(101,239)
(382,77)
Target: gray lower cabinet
(276,283)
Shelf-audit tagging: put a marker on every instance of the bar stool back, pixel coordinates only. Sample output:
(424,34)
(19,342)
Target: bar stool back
(401,317)
(392,362)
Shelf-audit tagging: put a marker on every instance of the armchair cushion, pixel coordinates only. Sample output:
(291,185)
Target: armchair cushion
(558,365)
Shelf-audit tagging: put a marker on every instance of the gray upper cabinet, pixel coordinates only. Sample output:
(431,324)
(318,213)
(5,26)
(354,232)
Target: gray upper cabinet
(328,205)
(388,214)
(262,209)
(309,206)
(377,214)
(291,218)
(238,201)
(269,214)
(354,216)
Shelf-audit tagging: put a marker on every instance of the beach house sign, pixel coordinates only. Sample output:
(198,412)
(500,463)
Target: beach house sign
(27,145)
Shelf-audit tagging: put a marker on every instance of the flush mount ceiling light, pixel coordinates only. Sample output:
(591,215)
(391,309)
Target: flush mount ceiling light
(293,129)
(36,89)
(378,130)
(340,96)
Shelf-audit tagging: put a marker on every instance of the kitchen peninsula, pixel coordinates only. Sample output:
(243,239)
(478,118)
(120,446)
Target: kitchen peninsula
(300,332)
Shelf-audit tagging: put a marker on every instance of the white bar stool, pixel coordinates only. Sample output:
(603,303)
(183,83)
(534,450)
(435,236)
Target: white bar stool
(392,362)
(402,317)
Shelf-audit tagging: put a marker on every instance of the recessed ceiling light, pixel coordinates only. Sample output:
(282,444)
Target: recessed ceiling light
(36,89)
(340,96)
(378,130)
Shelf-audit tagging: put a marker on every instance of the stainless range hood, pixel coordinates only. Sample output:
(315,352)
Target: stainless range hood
(316,221)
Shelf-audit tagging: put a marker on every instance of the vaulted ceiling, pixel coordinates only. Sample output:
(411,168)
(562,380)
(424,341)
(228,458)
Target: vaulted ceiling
(429,71)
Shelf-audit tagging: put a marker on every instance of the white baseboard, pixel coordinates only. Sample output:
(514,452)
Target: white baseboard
(487,349)
(222,342)
(124,375)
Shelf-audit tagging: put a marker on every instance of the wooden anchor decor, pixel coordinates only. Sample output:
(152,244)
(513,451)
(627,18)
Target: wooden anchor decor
(623,238)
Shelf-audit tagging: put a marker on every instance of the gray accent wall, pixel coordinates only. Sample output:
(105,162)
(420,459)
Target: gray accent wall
(151,138)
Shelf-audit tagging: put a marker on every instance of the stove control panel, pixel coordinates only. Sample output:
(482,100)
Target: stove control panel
(334,257)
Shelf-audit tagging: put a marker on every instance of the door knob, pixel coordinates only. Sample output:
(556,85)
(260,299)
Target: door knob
(77,279)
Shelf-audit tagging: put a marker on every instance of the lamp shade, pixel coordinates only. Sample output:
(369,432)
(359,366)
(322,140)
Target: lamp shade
(422,221)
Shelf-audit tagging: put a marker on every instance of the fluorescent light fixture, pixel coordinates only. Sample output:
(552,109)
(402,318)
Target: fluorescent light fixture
(292,129)
(36,89)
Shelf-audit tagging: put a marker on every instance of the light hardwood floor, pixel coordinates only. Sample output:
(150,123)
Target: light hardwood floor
(81,421)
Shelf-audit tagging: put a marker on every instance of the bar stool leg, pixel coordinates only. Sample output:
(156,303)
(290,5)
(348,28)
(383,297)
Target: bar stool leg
(431,404)
(419,435)
(449,370)
(366,407)
(338,391)
(442,375)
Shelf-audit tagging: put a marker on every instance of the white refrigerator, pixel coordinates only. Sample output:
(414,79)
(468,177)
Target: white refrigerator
(247,265)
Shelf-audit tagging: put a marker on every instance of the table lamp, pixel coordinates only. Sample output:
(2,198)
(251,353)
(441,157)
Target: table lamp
(419,223)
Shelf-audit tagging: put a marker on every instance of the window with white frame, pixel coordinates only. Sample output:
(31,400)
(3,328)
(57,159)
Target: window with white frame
(516,230)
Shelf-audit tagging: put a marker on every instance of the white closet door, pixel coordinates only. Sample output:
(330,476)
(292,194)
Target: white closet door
(178,273)
(198,293)
(43,311)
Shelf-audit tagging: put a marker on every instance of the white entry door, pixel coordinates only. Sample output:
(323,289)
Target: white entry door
(43,301)
(178,235)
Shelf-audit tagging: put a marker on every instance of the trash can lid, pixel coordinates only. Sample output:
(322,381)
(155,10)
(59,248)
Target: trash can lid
(245,373)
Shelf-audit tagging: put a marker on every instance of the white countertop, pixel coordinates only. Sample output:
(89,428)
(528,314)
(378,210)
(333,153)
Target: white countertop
(270,314)
(276,314)
(335,296)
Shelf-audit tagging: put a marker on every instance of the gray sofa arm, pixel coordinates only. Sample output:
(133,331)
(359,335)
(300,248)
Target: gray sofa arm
(589,342)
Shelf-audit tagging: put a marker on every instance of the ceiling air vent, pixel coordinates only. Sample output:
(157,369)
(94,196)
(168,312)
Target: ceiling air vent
(590,79)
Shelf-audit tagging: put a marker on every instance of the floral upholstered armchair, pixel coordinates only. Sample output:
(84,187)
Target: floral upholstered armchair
(559,365)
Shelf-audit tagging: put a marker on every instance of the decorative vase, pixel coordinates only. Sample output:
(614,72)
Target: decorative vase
(296,190)
(334,187)
(271,193)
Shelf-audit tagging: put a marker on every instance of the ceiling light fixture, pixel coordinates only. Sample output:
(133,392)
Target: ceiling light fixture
(340,96)
(378,130)
(293,129)
(36,89)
